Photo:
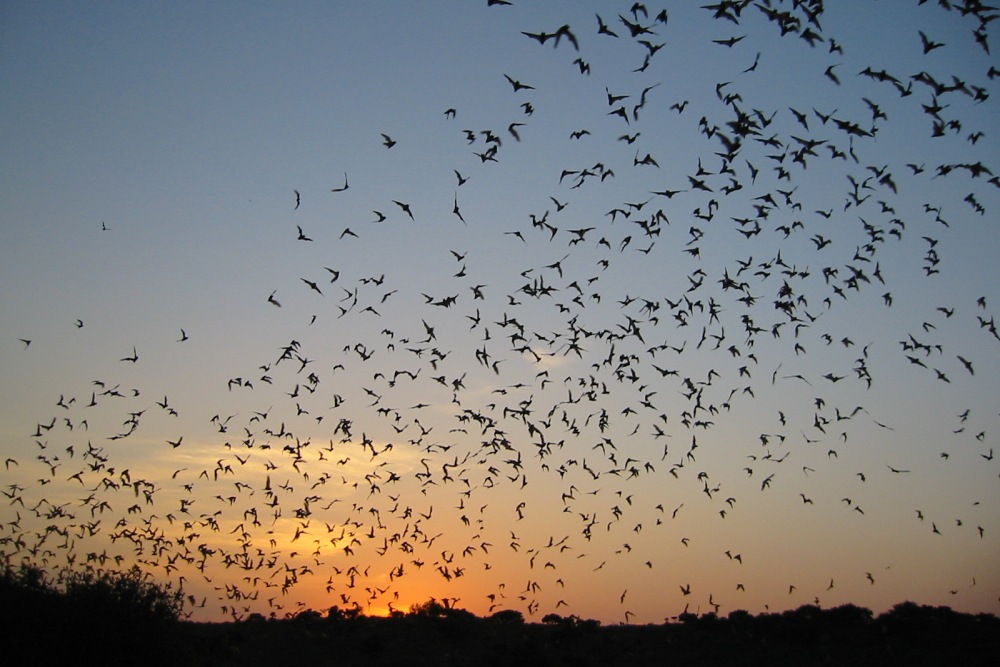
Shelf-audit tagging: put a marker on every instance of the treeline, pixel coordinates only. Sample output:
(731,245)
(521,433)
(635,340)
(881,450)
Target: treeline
(126,618)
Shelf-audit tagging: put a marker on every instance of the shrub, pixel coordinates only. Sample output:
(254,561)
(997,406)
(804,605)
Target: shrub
(509,616)
(129,596)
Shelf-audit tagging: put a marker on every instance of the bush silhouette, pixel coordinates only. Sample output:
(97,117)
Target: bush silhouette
(130,597)
(508,616)
(112,618)
(111,615)
(434,609)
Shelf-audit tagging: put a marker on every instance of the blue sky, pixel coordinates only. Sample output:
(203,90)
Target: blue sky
(152,155)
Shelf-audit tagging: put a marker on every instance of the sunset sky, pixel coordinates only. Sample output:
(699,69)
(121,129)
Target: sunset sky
(311,304)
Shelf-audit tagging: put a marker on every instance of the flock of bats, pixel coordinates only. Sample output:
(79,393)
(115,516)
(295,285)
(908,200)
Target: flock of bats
(529,436)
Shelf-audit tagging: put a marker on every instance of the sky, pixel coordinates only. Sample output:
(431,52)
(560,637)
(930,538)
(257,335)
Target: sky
(362,304)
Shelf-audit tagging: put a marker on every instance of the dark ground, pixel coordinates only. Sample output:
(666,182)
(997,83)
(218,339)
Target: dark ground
(907,635)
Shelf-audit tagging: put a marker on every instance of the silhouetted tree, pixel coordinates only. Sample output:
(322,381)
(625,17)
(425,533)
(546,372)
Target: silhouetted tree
(335,613)
(131,596)
(508,616)
(434,609)
(739,616)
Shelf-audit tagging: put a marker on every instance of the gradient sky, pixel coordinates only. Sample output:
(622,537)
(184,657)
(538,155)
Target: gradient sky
(614,416)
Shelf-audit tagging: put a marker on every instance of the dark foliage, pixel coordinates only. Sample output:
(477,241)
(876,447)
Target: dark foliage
(121,618)
(85,617)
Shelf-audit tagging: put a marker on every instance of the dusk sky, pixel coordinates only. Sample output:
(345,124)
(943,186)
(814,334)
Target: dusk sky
(311,304)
